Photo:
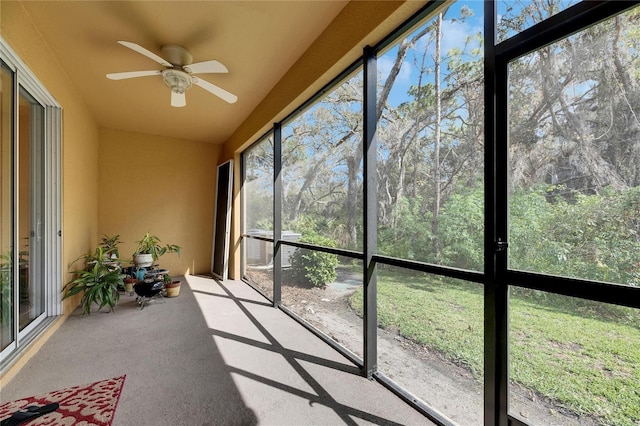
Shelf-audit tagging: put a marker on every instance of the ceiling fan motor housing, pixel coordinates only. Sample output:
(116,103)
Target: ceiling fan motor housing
(177,55)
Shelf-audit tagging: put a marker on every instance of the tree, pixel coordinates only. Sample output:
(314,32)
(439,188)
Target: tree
(322,155)
(433,140)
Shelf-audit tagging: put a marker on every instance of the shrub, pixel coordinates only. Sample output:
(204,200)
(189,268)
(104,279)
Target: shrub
(313,267)
(407,233)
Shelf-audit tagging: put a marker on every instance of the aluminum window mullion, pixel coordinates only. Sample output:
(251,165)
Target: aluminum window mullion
(277,214)
(52,211)
(370,212)
(560,26)
(37,238)
(623,295)
(243,214)
(430,268)
(498,249)
(15,170)
(496,294)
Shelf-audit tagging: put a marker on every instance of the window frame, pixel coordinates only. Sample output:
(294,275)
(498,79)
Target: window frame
(496,276)
(25,79)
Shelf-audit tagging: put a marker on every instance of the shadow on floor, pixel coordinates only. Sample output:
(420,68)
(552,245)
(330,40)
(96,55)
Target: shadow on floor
(218,354)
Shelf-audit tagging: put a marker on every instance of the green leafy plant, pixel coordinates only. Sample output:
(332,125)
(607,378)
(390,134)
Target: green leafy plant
(6,282)
(553,341)
(110,245)
(6,299)
(150,244)
(314,267)
(98,282)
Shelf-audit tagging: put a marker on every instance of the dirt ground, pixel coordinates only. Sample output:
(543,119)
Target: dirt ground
(441,384)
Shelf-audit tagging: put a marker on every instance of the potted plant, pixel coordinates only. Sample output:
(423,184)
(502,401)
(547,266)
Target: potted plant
(98,282)
(6,294)
(128,284)
(110,246)
(6,280)
(149,250)
(172,286)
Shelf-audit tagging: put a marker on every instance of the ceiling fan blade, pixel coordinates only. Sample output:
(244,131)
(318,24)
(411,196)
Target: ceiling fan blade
(212,66)
(178,99)
(145,52)
(131,74)
(229,97)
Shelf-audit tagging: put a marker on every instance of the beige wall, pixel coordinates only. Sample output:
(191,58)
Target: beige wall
(79,151)
(79,135)
(179,206)
(163,185)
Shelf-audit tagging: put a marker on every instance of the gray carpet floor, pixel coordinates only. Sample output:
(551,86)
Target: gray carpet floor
(218,354)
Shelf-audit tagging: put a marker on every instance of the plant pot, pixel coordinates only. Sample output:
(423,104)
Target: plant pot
(143,260)
(173,288)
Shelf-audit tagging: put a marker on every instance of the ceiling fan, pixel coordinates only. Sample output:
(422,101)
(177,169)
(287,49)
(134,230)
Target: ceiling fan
(179,72)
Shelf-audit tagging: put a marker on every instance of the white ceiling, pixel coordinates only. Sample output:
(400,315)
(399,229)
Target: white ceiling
(258,41)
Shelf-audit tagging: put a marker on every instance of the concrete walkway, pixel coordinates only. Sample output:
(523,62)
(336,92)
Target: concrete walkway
(218,354)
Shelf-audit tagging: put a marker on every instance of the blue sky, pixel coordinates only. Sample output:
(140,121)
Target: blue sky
(454,34)
(511,8)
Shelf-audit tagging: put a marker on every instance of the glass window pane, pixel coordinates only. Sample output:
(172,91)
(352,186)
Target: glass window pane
(258,186)
(514,16)
(430,339)
(258,211)
(430,141)
(573,361)
(320,287)
(30,207)
(575,155)
(6,207)
(322,169)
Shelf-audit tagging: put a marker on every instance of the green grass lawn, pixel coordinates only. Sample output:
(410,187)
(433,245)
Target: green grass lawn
(584,356)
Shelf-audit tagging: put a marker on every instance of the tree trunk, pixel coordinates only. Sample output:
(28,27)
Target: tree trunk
(352,197)
(437,136)
(296,205)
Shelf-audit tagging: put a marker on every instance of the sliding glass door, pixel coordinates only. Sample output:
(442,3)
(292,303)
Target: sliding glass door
(29,212)
(7,335)
(21,265)
(30,246)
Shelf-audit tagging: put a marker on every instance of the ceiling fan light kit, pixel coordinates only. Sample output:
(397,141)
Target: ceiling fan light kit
(178,81)
(178,72)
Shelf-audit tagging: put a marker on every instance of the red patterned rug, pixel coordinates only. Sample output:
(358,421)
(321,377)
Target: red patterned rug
(92,404)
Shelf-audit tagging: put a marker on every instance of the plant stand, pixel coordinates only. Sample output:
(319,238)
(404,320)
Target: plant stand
(148,291)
